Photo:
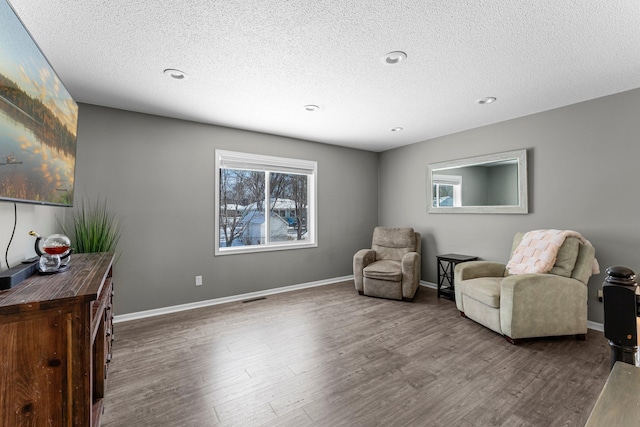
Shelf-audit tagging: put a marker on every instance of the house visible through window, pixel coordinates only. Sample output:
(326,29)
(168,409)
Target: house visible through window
(264,203)
(447,190)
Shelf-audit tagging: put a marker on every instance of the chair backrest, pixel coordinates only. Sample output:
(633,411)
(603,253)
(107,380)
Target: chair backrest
(392,243)
(574,259)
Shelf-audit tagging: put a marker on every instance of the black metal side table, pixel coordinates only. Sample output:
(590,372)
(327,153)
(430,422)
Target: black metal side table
(446,265)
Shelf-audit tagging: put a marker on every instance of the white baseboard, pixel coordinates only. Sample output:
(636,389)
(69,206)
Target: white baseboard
(595,326)
(199,304)
(190,306)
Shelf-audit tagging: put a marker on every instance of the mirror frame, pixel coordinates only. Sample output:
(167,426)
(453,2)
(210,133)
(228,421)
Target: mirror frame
(521,208)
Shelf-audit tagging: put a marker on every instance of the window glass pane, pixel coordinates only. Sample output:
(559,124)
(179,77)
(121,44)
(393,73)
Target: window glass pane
(434,192)
(288,207)
(242,208)
(445,195)
(264,203)
(447,190)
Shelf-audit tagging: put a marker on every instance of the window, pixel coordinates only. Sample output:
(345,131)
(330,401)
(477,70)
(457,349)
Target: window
(447,190)
(264,203)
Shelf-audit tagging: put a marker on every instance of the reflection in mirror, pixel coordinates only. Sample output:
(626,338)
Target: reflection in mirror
(495,183)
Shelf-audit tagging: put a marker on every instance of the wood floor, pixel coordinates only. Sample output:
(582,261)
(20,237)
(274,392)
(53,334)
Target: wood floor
(327,356)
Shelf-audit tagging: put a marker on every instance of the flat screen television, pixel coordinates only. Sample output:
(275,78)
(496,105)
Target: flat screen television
(38,121)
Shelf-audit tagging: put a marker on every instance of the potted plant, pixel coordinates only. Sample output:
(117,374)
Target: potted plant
(94,227)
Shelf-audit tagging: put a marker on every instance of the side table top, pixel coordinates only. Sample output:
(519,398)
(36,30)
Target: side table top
(457,257)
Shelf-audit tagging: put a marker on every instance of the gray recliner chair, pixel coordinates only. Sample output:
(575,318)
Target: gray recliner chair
(528,305)
(391,268)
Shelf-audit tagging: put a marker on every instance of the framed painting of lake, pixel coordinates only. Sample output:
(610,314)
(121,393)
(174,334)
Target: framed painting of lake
(38,121)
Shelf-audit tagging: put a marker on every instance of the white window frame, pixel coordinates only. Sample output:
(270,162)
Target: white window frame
(455,181)
(255,162)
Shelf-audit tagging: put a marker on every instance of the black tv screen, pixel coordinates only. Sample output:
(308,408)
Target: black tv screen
(38,121)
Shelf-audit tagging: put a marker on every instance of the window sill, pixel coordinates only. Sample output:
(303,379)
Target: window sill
(261,248)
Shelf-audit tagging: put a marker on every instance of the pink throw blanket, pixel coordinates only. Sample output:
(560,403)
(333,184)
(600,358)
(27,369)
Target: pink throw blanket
(538,250)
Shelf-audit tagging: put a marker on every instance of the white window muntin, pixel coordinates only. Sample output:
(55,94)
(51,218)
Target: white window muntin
(268,164)
(453,180)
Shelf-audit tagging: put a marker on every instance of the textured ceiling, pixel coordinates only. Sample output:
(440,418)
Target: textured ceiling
(254,64)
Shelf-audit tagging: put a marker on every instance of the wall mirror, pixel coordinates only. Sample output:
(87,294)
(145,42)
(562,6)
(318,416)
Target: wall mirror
(494,183)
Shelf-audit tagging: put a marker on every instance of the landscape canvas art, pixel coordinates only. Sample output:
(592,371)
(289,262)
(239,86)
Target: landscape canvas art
(38,121)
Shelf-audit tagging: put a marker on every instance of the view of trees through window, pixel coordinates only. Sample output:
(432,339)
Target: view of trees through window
(264,203)
(244,207)
(447,190)
(442,195)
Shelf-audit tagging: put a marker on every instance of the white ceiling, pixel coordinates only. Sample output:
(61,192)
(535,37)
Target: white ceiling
(254,64)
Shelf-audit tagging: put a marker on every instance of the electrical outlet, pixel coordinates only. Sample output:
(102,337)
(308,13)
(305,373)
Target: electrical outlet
(198,280)
(600,295)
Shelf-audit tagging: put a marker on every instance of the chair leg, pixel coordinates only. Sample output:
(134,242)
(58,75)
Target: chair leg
(462,314)
(407,299)
(581,337)
(361,292)
(513,341)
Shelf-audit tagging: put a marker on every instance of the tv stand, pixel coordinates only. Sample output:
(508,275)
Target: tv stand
(56,345)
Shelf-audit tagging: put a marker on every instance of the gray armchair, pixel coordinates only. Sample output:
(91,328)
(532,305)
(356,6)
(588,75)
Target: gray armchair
(528,305)
(391,268)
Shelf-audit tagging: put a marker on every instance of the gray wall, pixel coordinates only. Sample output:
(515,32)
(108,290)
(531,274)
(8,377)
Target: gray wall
(474,185)
(158,175)
(502,185)
(583,175)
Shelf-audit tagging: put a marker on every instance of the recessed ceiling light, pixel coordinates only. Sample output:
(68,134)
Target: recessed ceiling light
(396,129)
(395,57)
(311,107)
(487,100)
(175,74)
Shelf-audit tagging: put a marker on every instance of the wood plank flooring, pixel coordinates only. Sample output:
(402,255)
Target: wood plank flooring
(327,356)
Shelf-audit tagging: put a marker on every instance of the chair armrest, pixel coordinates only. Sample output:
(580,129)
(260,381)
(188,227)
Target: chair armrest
(410,274)
(535,305)
(474,269)
(361,259)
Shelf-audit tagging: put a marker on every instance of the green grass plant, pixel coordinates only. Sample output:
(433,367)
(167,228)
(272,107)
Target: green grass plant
(94,227)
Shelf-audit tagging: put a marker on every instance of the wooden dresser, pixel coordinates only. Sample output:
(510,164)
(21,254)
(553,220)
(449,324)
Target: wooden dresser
(55,345)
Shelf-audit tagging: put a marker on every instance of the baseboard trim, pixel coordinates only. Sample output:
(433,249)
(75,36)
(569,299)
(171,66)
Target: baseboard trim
(595,326)
(251,295)
(199,304)
(428,284)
